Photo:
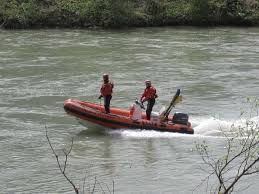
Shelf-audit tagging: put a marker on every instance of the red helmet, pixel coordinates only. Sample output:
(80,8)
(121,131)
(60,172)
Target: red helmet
(147,82)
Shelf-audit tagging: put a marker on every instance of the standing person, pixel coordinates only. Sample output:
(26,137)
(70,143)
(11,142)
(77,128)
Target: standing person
(106,92)
(150,96)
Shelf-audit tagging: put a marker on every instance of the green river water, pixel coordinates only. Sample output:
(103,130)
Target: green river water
(216,69)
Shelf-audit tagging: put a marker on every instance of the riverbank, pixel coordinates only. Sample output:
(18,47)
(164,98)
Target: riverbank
(122,13)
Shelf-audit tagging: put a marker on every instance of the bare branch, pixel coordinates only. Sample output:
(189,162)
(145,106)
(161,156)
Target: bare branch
(241,155)
(67,153)
(112,186)
(203,181)
(65,164)
(84,183)
(94,184)
(100,185)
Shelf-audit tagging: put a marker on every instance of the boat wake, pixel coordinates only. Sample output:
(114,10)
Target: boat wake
(145,134)
(211,126)
(203,127)
(216,127)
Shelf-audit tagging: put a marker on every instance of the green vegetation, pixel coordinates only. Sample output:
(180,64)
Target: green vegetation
(124,13)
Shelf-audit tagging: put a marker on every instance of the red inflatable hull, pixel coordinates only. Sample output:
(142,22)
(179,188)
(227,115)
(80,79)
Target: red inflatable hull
(119,118)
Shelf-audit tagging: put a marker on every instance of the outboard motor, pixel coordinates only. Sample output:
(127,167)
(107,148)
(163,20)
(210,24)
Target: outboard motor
(180,118)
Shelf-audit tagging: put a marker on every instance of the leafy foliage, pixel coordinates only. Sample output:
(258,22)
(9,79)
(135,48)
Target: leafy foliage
(120,13)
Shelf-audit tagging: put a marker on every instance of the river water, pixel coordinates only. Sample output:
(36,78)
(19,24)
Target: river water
(216,69)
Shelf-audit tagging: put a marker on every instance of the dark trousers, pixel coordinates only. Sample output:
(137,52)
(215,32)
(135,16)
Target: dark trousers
(150,104)
(107,100)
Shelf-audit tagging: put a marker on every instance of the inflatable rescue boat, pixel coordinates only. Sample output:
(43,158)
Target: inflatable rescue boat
(122,118)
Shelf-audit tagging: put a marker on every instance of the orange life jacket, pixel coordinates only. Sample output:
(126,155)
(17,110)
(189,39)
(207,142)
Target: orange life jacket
(106,89)
(149,93)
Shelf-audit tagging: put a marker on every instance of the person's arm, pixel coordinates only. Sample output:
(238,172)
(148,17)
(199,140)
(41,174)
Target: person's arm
(112,84)
(101,91)
(155,95)
(143,97)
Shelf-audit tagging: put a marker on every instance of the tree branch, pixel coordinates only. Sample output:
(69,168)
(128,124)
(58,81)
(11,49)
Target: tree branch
(65,164)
